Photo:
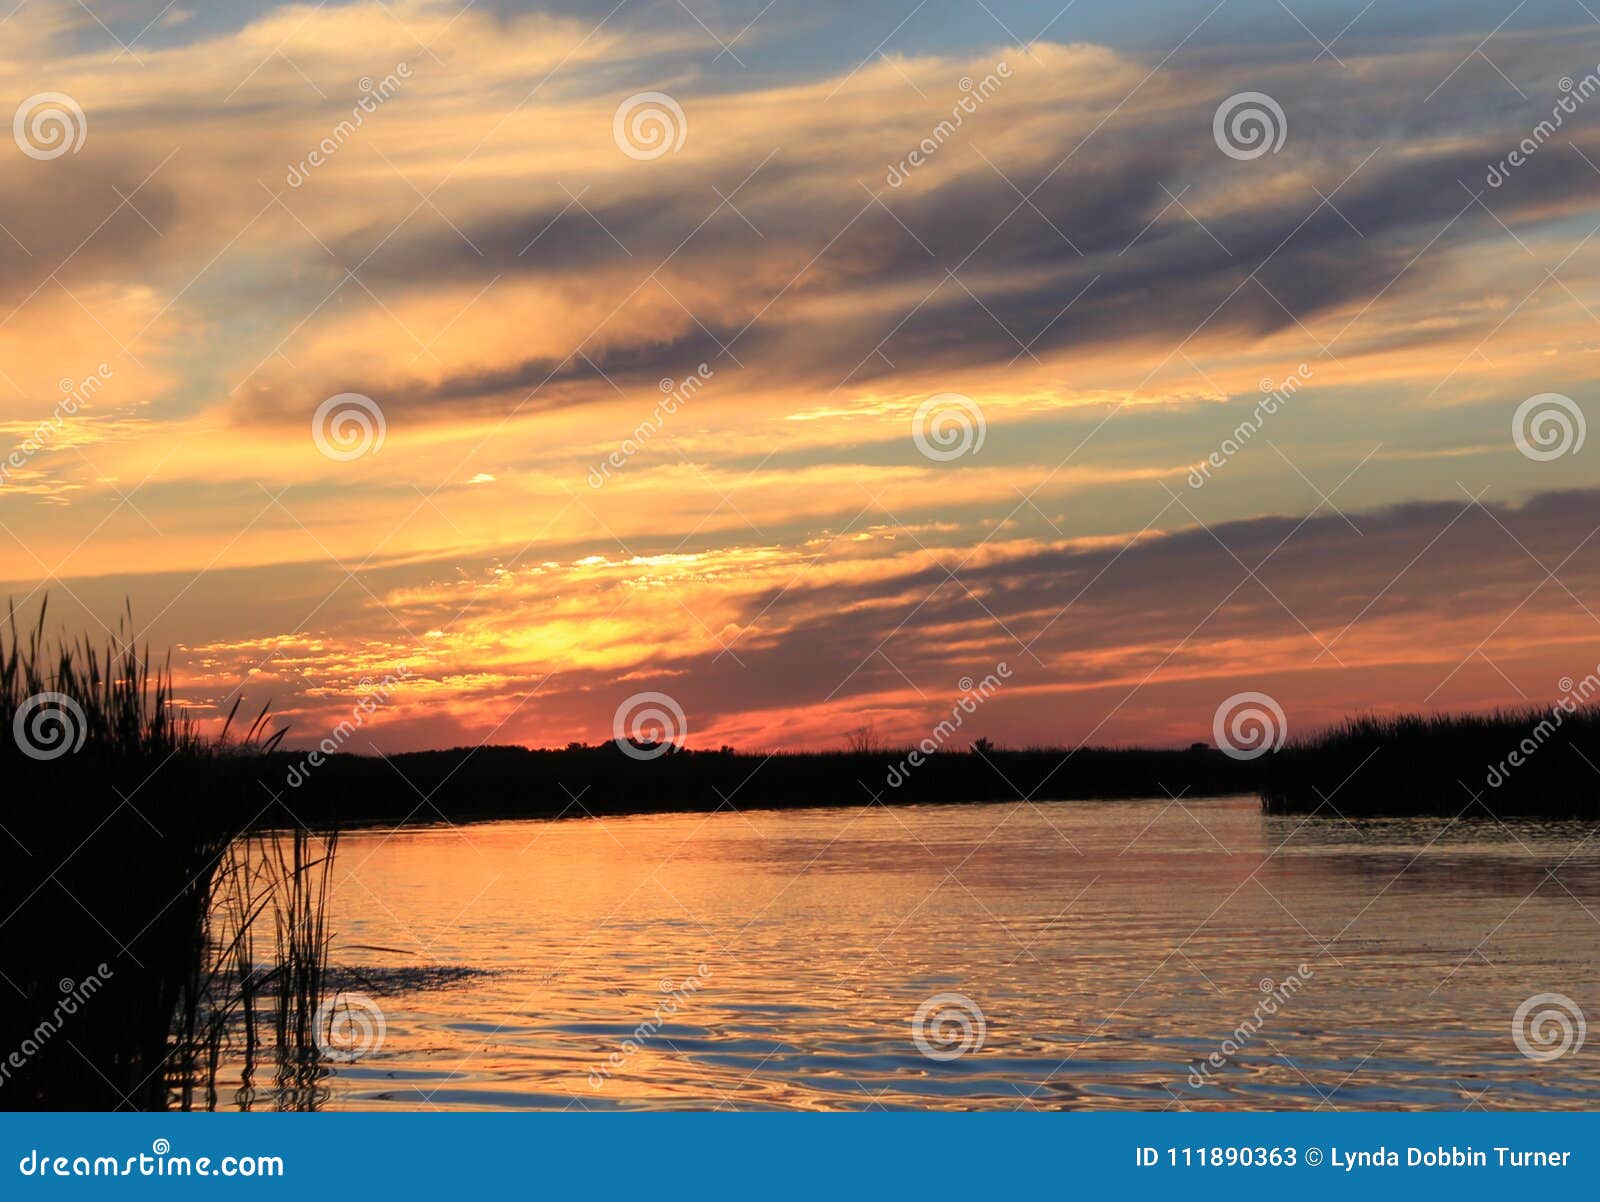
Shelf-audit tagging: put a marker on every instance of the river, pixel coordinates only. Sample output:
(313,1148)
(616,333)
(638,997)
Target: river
(1141,954)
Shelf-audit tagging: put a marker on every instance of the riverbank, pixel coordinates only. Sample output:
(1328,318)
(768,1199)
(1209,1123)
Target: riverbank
(1525,763)
(466,784)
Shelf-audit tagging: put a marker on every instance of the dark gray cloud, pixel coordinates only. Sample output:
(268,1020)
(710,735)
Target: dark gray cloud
(83,217)
(1269,255)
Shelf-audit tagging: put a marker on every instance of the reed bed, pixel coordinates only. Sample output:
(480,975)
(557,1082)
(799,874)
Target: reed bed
(255,1001)
(142,864)
(1512,763)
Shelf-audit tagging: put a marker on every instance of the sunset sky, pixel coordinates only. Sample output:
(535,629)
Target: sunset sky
(1110,291)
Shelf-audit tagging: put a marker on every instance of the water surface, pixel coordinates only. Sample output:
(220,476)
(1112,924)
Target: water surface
(1111,947)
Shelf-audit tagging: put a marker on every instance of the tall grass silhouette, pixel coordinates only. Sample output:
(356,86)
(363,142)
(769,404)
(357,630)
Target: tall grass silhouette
(1510,763)
(143,857)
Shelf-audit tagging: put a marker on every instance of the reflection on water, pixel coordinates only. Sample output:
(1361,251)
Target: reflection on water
(778,959)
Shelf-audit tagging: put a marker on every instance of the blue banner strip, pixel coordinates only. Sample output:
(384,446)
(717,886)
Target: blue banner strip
(875,1155)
